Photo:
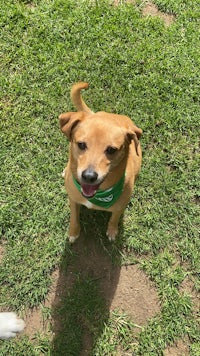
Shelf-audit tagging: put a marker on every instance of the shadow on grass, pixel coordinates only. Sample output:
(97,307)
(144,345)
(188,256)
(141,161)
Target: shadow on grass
(87,282)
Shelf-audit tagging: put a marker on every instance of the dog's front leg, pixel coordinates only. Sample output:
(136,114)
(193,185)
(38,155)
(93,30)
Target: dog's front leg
(74,227)
(112,229)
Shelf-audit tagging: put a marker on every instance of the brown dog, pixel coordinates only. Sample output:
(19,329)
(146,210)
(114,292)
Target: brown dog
(104,161)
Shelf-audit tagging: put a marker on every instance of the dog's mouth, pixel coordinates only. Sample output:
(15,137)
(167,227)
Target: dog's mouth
(89,190)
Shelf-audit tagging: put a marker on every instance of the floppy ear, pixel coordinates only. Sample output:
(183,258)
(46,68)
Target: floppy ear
(134,135)
(69,120)
(138,131)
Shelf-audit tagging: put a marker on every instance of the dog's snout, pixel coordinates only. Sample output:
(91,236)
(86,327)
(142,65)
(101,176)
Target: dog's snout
(89,176)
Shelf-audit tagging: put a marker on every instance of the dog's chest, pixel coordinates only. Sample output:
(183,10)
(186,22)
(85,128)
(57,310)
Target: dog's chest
(88,204)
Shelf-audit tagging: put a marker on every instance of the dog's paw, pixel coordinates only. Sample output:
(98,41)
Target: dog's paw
(10,325)
(112,233)
(72,239)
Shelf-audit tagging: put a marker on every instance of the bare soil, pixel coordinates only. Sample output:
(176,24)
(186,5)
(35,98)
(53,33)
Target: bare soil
(180,348)
(125,288)
(150,9)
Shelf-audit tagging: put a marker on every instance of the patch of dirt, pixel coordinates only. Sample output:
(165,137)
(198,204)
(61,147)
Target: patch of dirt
(180,348)
(150,9)
(124,288)
(34,323)
(135,295)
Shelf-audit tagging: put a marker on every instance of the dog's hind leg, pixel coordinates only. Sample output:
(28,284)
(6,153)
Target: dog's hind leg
(74,227)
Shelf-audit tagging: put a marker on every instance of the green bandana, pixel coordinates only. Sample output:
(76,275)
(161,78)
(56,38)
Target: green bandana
(105,198)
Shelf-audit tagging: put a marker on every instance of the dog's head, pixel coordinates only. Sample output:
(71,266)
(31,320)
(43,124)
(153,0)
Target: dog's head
(99,142)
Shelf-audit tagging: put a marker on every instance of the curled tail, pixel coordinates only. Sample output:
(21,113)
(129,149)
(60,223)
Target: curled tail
(77,99)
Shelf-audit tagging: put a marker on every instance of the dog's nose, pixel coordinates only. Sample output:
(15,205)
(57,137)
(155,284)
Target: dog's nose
(89,176)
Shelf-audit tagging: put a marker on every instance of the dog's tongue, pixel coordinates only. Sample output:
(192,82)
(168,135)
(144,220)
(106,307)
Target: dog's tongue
(89,190)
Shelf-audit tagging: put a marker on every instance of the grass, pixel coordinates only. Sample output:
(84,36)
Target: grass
(135,66)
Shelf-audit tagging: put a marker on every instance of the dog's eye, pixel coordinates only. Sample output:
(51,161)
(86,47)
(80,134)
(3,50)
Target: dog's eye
(82,146)
(111,150)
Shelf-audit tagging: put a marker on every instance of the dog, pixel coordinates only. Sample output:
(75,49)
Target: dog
(104,161)
(10,325)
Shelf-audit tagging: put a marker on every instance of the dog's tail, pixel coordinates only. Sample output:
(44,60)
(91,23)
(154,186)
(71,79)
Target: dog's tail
(77,99)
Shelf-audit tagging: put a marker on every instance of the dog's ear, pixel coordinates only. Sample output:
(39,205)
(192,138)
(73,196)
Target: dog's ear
(69,120)
(137,131)
(134,135)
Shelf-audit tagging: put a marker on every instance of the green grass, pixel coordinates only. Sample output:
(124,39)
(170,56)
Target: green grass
(135,66)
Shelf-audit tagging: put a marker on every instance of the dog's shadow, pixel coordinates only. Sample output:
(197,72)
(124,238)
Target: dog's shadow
(88,277)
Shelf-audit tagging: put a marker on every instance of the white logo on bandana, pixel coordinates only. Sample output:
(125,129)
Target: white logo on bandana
(106,199)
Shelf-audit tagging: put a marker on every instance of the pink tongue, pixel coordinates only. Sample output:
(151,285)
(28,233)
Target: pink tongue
(89,190)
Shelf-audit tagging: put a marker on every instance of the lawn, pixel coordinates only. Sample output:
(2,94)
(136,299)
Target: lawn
(138,66)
